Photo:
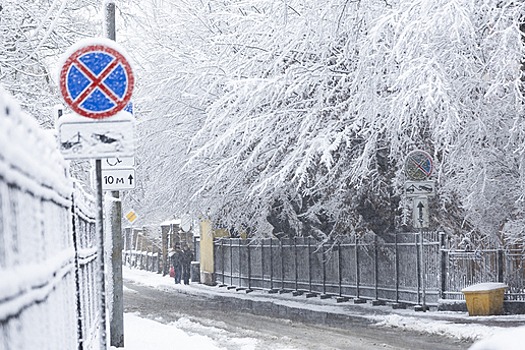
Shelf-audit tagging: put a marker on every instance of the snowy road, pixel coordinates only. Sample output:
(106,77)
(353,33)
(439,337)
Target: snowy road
(233,329)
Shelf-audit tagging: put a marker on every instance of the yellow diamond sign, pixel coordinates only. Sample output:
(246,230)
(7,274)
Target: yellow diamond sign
(131,216)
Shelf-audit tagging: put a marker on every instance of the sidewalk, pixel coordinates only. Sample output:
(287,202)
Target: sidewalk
(328,312)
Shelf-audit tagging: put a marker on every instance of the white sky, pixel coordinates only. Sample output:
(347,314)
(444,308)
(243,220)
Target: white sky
(142,333)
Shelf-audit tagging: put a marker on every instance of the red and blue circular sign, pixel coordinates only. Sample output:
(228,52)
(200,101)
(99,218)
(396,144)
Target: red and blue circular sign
(418,165)
(96,81)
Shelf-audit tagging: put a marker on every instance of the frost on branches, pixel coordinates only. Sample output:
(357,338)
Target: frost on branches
(33,35)
(295,117)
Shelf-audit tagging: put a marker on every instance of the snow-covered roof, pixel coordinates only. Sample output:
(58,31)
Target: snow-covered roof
(170,222)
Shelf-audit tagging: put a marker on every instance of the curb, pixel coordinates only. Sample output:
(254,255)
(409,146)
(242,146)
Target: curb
(304,312)
(341,315)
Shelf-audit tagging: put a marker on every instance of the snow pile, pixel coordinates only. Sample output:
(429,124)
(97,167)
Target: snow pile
(508,339)
(461,331)
(143,334)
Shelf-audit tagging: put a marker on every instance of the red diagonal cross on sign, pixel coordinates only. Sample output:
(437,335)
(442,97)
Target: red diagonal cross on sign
(419,165)
(79,94)
(96,81)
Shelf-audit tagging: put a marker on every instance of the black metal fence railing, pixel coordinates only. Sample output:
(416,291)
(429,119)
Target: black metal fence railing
(86,244)
(408,269)
(465,268)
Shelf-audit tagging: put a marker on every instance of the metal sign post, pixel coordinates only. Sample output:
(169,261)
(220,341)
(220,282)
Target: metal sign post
(418,168)
(116,327)
(96,81)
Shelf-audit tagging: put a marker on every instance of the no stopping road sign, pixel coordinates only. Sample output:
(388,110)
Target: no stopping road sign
(418,165)
(96,81)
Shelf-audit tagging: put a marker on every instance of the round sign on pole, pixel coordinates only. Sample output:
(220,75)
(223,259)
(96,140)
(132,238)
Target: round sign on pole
(96,81)
(185,223)
(418,165)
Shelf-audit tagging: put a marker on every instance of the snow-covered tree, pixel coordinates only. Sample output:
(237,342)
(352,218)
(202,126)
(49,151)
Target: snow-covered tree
(33,35)
(297,116)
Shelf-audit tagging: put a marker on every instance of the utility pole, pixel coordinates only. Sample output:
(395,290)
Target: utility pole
(116,314)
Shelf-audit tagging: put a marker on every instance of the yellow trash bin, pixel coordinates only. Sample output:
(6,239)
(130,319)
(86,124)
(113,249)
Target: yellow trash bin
(485,299)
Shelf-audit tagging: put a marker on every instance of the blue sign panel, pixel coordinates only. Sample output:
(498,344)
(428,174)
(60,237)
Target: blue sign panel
(96,81)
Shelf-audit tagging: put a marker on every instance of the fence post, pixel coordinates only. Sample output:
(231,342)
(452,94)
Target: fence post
(160,264)
(221,242)
(310,294)
(423,271)
(222,257)
(397,267)
(420,275)
(376,301)
(443,266)
(500,266)
(249,289)
(262,263)
(231,264)
(272,289)
(397,304)
(240,264)
(296,292)
(340,273)
(324,295)
(418,270)
(357,299)
(282,290)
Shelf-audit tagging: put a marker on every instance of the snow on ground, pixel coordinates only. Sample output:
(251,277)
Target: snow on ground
(141,333)
(507,339)
(456,330)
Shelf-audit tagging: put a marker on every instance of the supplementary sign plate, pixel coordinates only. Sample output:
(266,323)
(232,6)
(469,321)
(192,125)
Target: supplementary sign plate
(118,179)
(420,217)
(80,138)
(420,188)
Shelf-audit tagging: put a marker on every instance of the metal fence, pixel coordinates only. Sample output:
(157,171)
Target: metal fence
(143,260)
(148,248)
(42,278)
(411,268)
(464,268)
(87,282)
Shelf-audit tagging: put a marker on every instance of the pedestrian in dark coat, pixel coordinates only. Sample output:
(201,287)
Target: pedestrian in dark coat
(176,262)
(187,258)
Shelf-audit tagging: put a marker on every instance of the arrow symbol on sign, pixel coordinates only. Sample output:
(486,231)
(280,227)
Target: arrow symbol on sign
(130,178)
(420,206)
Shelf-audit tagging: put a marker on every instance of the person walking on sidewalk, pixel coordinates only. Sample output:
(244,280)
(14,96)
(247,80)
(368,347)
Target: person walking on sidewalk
(176,262)
(187,258)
